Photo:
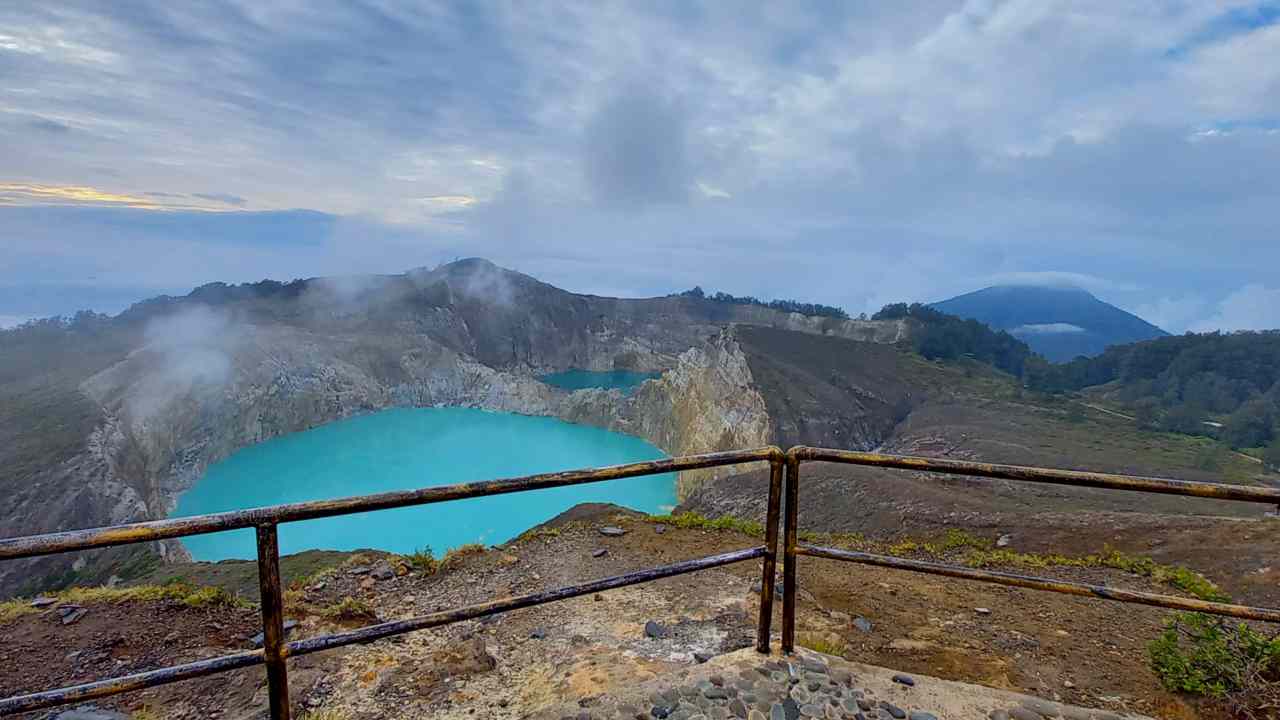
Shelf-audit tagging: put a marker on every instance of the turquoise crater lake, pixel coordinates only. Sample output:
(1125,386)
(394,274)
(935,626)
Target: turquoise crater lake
(411,448)
(625,380)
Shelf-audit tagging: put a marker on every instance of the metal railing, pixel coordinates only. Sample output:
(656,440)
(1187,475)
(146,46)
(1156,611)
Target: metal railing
(276,650)
(792,549)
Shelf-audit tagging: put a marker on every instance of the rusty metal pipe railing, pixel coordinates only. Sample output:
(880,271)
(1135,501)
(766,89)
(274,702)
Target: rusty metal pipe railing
(273,652)
(783,488)
(1023,473)
(48,544)
(398,627)
(128,683)
(370,633)
(792,521)
(265,520)
(1019,473)
(1244,612)
(767,573)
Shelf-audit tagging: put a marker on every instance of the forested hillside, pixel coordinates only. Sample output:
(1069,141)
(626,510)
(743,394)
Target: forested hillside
(1189,383)
(939,336)
(1217,385)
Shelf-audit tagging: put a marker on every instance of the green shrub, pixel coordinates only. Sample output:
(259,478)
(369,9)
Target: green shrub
(423,560)
(1207,655)
(690,520)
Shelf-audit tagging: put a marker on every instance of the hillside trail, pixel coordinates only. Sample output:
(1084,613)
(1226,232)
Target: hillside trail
(1101,409)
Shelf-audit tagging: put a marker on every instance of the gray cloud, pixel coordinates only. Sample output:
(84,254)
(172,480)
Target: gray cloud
(225,198)
(1252,307)
(849,154)
(635,151)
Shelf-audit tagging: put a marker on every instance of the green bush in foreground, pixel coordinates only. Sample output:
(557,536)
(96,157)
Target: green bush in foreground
(1212,657)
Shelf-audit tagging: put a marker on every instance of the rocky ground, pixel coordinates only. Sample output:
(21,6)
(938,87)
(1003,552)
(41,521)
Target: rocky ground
(587,653)
(749,686)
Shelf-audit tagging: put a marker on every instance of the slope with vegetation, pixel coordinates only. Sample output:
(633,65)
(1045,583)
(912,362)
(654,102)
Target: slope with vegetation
(789,306)
(1214,384)
(940,336)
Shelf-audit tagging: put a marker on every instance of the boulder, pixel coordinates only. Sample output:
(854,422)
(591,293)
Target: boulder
(258,639)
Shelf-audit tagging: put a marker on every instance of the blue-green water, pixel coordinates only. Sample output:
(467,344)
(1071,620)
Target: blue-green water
(624,380)
(411,448)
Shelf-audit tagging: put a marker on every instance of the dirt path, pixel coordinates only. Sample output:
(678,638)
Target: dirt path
(1101,409)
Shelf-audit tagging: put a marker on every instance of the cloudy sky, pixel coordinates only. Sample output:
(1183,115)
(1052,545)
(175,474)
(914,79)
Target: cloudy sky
(841,152)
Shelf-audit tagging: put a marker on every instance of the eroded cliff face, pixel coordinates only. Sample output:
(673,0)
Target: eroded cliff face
(166,429)
(706,403)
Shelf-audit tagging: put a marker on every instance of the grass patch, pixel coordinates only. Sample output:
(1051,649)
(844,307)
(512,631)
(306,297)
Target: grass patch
(456,555)
(349,609)
(189,595)
(539,533)
(14,609)
(952,539)
(306,581)
(826,644)
(1189,581)
(423,561)
(978,552)
(690,520)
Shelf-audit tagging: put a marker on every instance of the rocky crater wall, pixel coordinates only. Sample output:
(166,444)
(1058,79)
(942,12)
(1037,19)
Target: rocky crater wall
(176,384)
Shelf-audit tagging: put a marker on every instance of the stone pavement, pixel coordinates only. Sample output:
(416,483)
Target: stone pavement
(745,685)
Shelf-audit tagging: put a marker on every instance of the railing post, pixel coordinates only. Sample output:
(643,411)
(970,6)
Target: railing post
(789,555)
(272,621)
(771,555)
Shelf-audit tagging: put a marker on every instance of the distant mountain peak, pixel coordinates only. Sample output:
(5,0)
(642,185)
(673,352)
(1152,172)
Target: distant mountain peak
(1045,288)
(1060,322)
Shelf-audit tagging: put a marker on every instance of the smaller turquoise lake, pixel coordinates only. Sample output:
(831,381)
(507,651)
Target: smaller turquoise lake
(624,380)
(406,448)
